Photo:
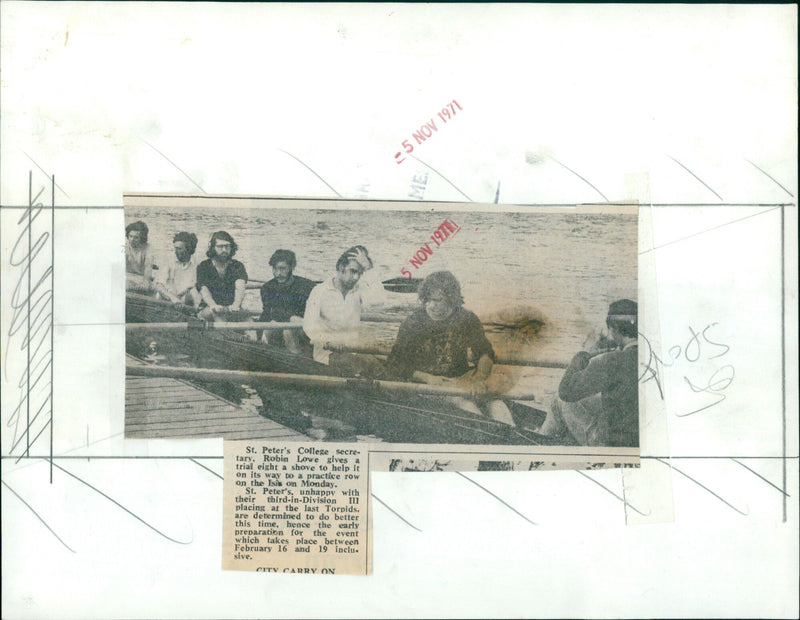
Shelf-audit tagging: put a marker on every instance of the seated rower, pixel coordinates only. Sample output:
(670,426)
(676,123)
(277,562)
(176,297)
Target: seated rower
(221,281)
(283,300)
(433,345)
(179,283)
(598,397)
(333,313)
(139,261)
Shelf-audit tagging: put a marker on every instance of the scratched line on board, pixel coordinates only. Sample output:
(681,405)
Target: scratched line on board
(130,512)
(702,232)
(38,516)
(307,167)
(453,185)
(755,473)
(395,513)
(702,486)
(706,185)
(622,499)
(177,167)
(507,505)
(579,176)
(772,178)
(206,468)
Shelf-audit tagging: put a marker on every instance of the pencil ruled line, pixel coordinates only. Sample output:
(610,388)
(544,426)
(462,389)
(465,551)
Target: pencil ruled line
(622,499)
(760,169)
(176,166)
(707,230)
(579,176)
(506,504)
(307,167)
(38,516)
(696,177)
(130,512)
(395,513)
(755,473)
(453,185)
(61,189)
(702,486)
(206,468)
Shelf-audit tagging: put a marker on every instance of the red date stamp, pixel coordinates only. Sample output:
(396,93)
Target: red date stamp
(427,130)
(446,229)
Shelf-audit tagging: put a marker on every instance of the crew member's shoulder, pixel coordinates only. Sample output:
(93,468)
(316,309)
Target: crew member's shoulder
(465,316)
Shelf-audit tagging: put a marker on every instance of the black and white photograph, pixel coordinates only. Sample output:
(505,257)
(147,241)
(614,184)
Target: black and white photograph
(403,323)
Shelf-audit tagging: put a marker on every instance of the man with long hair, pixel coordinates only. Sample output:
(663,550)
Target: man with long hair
(221,280)
(138,258)
(443,342)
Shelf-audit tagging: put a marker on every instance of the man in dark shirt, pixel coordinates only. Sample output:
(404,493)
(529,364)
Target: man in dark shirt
(437,343)
(598,397)
(221,280)
(283,300)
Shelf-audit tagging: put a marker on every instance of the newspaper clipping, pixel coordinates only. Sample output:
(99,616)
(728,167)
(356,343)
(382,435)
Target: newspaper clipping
(431,336)
(296,508)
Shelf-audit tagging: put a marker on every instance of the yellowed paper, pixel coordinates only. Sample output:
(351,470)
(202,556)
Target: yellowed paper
(298,508)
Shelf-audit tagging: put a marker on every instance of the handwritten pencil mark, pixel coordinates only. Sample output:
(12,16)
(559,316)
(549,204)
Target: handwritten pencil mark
(307,167)
(702,486)
(622,499)
(770,177)
(696,177)
(31,319)
(206,468)
(177,167)
(707,230)
(579,176)
(395,513)
(61,189)
(443,177)
(755,473)
(507,505)
(36,514)
(116,503)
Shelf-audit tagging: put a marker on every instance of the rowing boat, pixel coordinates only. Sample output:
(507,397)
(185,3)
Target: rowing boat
(293,386)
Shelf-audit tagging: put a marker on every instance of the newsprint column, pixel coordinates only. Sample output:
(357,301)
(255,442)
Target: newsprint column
(296,508)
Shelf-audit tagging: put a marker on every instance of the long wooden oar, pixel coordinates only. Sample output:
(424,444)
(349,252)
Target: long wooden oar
(305,381)
(393,285)
(503,361)
(203,325)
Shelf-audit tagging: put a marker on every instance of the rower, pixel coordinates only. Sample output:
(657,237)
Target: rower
(139,261)
(221,280)
(179,283)
(437,343)
(598,397)
(333,312)
(283,300)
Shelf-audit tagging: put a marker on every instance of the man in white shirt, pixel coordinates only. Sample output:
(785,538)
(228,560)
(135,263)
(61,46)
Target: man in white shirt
(333,310)
(180,276)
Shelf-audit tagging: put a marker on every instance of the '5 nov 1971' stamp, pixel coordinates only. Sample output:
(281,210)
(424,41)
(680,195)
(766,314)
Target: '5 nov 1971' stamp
(428,129)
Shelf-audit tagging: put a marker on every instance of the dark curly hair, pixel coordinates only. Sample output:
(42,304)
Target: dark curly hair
(283,256)
(141,227)
(220,235)
(442,281)
(190,239)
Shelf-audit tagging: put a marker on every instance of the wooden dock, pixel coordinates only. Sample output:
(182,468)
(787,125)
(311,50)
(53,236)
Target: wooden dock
(161,408)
